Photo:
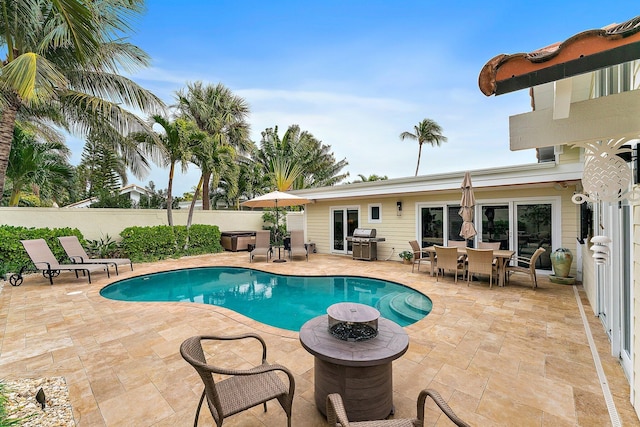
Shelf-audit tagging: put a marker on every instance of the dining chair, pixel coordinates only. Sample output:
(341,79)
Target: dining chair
(480,261)
(528,268)
(489,245)
(459,244)
(447,259)
(418,254)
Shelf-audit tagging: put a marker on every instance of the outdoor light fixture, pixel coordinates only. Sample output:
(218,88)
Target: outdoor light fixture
(399,207)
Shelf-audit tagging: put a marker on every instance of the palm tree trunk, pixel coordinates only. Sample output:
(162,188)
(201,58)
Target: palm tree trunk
(7,123)
(419,155)
(14,199)
(169,196)
(192,207)
(206,205)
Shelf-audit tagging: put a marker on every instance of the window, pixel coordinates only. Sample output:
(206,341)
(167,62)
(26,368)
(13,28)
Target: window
(375,212)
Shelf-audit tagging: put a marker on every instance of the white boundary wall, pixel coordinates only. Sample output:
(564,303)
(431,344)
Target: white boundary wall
(97,223)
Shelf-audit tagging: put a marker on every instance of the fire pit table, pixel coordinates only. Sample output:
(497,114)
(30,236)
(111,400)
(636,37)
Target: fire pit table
(353,348)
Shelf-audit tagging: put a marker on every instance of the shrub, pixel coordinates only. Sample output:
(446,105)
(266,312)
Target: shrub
(162,241)
(14,257)
(5,418)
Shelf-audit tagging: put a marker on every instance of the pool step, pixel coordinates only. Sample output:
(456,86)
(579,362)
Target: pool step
(407,307)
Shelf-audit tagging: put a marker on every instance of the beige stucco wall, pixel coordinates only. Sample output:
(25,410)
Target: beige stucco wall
(97,223)
(399,230)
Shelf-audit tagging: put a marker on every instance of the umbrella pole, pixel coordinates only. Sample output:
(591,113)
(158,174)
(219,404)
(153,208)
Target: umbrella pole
(277,235)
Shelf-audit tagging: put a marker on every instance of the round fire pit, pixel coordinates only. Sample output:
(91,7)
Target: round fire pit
(353,322)
(359,369)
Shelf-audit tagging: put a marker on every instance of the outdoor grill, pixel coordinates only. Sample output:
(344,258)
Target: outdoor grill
(364,243)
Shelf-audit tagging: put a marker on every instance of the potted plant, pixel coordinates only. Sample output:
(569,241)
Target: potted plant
(406,256)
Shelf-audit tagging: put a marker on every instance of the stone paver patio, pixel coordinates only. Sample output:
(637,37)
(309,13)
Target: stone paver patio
(500,356)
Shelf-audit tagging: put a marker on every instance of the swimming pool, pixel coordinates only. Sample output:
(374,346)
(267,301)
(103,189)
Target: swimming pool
(282,301)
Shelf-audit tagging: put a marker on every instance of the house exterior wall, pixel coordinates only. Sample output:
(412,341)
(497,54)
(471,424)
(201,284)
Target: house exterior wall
(97,223)
(399,230)
(570,155)
(635,386)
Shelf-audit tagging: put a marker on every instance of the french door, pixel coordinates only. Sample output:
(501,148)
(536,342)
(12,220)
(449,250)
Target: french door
(615,279)
(344,220)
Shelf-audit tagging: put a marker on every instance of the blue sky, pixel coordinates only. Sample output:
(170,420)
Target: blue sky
(357,73)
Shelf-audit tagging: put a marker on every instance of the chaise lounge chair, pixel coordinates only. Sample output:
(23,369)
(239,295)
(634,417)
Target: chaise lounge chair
(297,246)
(44,260)
(263,245)
(78,255)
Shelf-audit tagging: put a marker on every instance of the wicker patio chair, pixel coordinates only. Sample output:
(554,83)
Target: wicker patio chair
(447,259)
(480,261)
(489,245)
(529,267)
(78,255)
(263,245)
(297,246)
(337,415)
(43,259)
(241,389)
(418,254)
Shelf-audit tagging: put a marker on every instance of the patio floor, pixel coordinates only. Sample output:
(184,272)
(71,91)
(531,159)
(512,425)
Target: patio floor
(500,356)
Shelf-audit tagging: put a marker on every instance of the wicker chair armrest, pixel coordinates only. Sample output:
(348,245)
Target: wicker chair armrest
(444,406)
(522,260)
(240,337)
(336,414)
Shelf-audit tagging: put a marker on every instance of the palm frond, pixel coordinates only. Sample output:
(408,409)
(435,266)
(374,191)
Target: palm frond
(33,78)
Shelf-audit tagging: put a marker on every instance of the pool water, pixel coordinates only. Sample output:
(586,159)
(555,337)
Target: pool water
(282,301)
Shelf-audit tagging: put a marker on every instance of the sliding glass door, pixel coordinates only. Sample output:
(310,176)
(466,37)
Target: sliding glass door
(343,222)
(534,224)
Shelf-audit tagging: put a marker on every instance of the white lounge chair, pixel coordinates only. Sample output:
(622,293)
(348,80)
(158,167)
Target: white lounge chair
(44,260)
(78,255)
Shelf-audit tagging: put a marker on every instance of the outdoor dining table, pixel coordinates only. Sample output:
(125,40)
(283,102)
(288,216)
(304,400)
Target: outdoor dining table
(502,255)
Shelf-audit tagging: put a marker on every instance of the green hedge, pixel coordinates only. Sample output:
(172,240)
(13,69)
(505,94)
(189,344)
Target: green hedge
(13,254)
(138,243)
(160,242)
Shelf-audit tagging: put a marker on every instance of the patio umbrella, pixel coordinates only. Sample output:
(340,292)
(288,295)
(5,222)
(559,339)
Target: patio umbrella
(275,199)
(467,203)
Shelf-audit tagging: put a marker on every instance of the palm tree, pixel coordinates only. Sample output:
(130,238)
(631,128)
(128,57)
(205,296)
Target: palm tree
(318,166)
(62,65)
(215,159)
(37,164)
(371,178)
(219,113)
(177,142)
(426,131)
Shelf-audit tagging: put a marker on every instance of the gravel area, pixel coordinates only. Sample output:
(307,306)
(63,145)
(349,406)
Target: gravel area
(21,402)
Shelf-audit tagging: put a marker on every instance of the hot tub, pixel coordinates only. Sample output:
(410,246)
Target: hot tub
(237,240)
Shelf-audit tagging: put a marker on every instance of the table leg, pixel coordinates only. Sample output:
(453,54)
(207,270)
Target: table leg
(431,262)
(502,270)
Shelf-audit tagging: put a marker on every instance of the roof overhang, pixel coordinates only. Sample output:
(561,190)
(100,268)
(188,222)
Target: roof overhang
(585,52)
(533,175)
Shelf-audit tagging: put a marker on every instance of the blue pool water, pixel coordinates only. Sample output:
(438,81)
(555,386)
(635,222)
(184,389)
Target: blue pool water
(285,302)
